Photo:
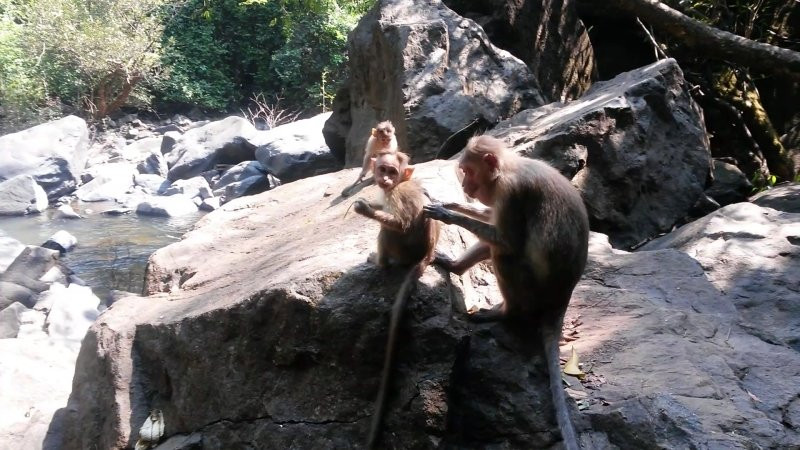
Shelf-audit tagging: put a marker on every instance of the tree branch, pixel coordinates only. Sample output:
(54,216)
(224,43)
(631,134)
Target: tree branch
(717,43)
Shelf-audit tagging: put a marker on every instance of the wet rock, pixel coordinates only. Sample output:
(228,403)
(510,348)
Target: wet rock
(61,241)
(66,212)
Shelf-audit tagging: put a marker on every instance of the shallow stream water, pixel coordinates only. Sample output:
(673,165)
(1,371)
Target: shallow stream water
(112,251)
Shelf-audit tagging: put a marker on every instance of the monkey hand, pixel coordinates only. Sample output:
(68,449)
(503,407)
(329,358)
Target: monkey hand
(439,212)
(362,207)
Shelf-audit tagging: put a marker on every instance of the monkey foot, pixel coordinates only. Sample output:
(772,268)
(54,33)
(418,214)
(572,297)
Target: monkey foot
(486,315)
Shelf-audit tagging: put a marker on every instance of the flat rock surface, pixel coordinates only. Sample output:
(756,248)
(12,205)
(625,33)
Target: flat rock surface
(265,327)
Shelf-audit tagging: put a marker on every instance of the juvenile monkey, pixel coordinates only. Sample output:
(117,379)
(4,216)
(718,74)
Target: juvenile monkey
(382,139)
(407,238)
(536,235)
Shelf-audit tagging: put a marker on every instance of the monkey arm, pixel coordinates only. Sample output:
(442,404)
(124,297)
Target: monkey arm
(484,231)
(472,256)
(483,214)
(389,221)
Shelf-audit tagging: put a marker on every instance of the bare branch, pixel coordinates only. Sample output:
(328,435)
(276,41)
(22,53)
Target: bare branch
(716,43)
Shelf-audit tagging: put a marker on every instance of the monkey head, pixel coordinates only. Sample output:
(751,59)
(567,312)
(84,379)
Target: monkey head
(391,169)
(383,132)
(479,168)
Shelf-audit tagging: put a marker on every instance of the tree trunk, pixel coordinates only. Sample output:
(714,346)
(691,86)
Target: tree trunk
(716,43)
(741,94)
(106,101)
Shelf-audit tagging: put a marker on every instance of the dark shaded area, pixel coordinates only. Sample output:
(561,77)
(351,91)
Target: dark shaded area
(458,140)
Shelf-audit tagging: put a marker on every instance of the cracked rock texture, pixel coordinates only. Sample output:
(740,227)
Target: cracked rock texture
(635,146)
(265,328)
(428,70)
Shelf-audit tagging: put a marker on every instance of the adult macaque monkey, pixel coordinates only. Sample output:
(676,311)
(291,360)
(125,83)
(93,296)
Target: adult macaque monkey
(381,140)
(537,237)
(406,238)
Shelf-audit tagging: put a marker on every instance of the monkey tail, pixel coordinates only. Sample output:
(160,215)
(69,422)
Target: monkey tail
(406,289)
(550,337)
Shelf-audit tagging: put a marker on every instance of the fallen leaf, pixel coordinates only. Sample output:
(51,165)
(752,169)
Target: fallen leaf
(571,367)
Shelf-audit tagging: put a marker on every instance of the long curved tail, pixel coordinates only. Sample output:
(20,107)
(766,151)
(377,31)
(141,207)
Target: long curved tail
(550,338)
(406,289)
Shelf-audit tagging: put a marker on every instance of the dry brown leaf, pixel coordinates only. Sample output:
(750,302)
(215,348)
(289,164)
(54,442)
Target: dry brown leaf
(571,367)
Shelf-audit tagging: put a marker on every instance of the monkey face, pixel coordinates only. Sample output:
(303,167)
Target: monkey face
(387,175)
(384,134)
(476,181)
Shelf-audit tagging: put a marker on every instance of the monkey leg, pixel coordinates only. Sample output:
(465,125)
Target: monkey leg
(475,254)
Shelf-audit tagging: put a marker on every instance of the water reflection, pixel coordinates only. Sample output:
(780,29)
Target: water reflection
(112,251)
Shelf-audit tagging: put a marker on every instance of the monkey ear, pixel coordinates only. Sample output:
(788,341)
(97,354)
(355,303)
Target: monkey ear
(407,173)
(374,132)
(490,159)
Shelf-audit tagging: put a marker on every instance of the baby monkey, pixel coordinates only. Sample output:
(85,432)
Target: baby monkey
(382,139)
(407,238)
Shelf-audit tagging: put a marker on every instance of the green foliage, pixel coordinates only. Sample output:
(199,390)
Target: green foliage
(22,89)
(314,54)
(218,53)
(103,54)
(87,54)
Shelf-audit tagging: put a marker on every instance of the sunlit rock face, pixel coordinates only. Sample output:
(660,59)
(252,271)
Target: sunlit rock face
(635,146)
(428,70)
(53,153)
(547,35)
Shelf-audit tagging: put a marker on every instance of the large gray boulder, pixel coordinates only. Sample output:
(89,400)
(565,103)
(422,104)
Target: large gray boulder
(785,197)
(730,185)
(548,36)
(275,293)
(193,187)
(146,155)
(110,181)
(21,195)
(239,172)
(761,274)
(296,150)
(53,153)
(225,141)
(635,146)
(171,206)
(428,70)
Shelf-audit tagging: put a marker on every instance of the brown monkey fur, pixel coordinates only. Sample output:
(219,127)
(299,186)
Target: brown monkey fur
(382,139)
(406,237)
(537,238)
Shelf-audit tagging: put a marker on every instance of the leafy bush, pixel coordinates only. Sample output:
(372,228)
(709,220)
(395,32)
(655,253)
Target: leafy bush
(215,54)
(22,89)
(313,61)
